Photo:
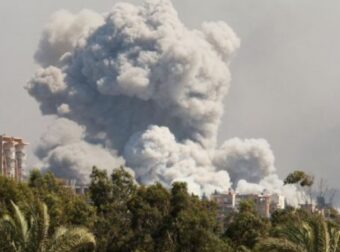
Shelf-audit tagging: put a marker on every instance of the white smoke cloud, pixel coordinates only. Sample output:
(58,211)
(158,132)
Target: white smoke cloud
(63,150)
(250,159)
(139,83)
(62,132)
(272,184)
(76,160)
(63,33)
(158,157)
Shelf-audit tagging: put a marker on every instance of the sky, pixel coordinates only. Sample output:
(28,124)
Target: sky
(285,75)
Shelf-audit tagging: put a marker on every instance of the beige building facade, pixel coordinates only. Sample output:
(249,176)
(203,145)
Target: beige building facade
(12,157)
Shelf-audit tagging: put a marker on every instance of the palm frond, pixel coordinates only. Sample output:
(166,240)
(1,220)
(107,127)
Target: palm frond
(72,239)
(7,233)
(320,234)
(278,244)
(19,236)
(334,240)
(312,235)
(20,222)
(299,235)
(43,223)
(59,232)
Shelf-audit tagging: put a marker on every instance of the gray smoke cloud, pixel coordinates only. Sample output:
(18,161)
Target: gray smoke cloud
(64,32)
(250,159)
(135,85)
(158,157)
(64,151)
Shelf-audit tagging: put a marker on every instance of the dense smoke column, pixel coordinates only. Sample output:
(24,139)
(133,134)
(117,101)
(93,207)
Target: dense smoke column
(250,159)
(64,151)
(157,157)
(141,67)
(136,87)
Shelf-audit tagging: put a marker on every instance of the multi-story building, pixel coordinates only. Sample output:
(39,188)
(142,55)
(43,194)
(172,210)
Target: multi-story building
(229,202)
(75,187)
(226,204)
(12,156)
(277,201)
(262,205)
(262,202)
(309,207)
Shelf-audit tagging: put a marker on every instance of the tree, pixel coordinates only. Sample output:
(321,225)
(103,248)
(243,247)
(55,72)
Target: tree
(312,235)
(111,197)
(325,195)
(20,234)
(289,215)
(246,228)
(192,223)
(302,179)
(100,188)
(65,207)
(299,177)
(124,186)
(149,209)
(12,191)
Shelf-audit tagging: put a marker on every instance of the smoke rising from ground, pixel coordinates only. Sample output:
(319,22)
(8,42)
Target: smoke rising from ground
(64,151)
(137,86)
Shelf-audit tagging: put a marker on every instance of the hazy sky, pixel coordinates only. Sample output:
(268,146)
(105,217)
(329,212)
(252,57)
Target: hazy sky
(285,84)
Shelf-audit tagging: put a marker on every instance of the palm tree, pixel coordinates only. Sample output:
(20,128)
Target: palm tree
(20,234)
(314,235)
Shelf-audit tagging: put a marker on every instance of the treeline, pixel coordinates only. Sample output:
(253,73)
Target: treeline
(118,215)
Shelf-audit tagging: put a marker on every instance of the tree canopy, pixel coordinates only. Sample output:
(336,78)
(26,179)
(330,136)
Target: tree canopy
(299,177)
(122,216)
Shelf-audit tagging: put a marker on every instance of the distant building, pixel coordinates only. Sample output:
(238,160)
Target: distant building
(228,202)
(277,202)
(75,187)
(309,207)
(12,156)
(262,203)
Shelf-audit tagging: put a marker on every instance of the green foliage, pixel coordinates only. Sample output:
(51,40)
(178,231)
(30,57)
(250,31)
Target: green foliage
(149,209)
(18,233)
(299,177)
(124,217)
(132,218)
(246,228)
(333,215)
(191,225)
(65,206)
(111,197)
(289,215)
(314,234)
(100,188)
(11,191)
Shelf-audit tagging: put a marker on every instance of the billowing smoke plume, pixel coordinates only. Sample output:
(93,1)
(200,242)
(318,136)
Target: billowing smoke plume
(64,32)
(251,159)
(157,156)
(137,86)
(64,151)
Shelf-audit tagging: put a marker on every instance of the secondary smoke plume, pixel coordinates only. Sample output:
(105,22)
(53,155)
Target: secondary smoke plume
(63,150)
(137,86)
